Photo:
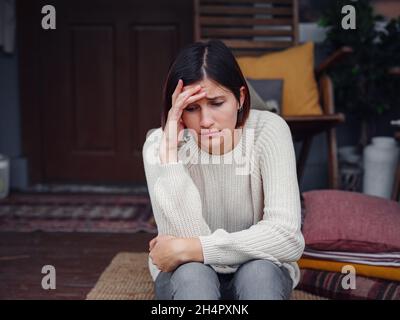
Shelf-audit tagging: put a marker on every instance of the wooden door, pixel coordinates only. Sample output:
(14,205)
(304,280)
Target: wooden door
(91,88)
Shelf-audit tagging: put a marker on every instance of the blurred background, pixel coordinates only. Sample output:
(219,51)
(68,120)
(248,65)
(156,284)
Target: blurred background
(76,102)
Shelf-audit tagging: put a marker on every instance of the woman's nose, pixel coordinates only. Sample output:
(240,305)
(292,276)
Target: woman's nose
(206,120)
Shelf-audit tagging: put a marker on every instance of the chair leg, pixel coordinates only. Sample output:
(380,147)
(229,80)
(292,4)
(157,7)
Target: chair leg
(305,149)
(396,186)
(333,166)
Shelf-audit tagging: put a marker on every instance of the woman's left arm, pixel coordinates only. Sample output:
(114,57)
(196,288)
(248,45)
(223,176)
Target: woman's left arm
(277,237)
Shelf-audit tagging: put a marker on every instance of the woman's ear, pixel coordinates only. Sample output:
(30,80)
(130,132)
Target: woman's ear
(242,94)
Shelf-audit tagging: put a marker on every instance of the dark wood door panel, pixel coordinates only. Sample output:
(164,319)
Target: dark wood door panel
(99,79)
(146,83)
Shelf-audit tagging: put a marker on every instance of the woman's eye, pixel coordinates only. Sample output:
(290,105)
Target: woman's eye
(218,104)
(190,108)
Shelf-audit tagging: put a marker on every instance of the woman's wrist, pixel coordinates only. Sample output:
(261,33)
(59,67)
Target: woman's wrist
(192,250)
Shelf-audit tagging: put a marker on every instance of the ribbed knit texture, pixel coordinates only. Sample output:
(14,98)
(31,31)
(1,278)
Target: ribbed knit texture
(237,217)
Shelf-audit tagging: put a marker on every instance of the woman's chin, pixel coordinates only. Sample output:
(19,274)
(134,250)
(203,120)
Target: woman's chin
(214,147)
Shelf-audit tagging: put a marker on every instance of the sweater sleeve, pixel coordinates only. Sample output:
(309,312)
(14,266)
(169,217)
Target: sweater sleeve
(175,200)
(277,236)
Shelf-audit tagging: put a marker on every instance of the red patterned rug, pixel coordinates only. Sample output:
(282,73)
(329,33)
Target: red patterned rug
(68,212)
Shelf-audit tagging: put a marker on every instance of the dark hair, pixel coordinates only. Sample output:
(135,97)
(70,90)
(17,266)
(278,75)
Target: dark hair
(211,59)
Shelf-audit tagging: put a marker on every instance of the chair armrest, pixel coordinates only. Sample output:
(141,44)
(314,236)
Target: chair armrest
(334,58)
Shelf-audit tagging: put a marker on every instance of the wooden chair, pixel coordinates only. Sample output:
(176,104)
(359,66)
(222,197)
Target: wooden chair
(396,186)
(395,71)
(255,27)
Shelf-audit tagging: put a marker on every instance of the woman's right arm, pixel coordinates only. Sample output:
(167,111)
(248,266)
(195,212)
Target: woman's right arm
(175,198)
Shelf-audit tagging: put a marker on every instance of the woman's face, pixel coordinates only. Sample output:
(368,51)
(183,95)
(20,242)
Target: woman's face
(214,117)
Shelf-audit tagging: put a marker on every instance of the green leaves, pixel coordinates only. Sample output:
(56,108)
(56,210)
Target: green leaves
(362,82)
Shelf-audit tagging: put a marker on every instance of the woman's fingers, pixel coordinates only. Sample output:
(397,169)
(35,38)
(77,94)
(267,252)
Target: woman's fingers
(160,237)
(152,243)
(180,99)
(165,237)
(194,98)
(183,100)
(177,91)
(186,95)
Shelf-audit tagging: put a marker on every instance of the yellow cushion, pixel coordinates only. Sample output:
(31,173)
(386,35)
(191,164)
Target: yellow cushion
(388,273)
(296,67)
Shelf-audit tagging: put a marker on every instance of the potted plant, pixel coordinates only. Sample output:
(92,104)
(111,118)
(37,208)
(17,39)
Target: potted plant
(367,83)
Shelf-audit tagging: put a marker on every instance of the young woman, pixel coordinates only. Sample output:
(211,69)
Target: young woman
(223,187)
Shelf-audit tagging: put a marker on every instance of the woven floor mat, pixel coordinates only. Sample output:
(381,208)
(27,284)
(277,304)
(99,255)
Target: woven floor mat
(77,213)
(128,278)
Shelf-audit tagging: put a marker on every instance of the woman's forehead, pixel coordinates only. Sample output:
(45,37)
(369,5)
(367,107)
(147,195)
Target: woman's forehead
(213,89)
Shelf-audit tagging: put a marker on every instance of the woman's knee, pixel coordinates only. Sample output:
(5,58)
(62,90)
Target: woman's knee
(195,280)
(262,279)
(264,269)
(193,271)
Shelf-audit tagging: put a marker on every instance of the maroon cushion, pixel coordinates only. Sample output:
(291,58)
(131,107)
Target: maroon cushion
(350,221)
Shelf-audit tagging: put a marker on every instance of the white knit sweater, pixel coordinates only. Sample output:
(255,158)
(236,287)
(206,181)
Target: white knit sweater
(243,205)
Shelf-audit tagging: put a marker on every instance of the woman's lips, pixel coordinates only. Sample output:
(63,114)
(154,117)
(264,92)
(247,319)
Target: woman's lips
(210,133)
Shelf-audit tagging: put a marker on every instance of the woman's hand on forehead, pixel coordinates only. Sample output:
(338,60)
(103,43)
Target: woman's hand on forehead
(185,88)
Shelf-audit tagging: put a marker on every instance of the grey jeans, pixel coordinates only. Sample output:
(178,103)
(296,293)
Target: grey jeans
(253,280)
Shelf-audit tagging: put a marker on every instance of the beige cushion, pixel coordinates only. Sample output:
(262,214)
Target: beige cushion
(296,67)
